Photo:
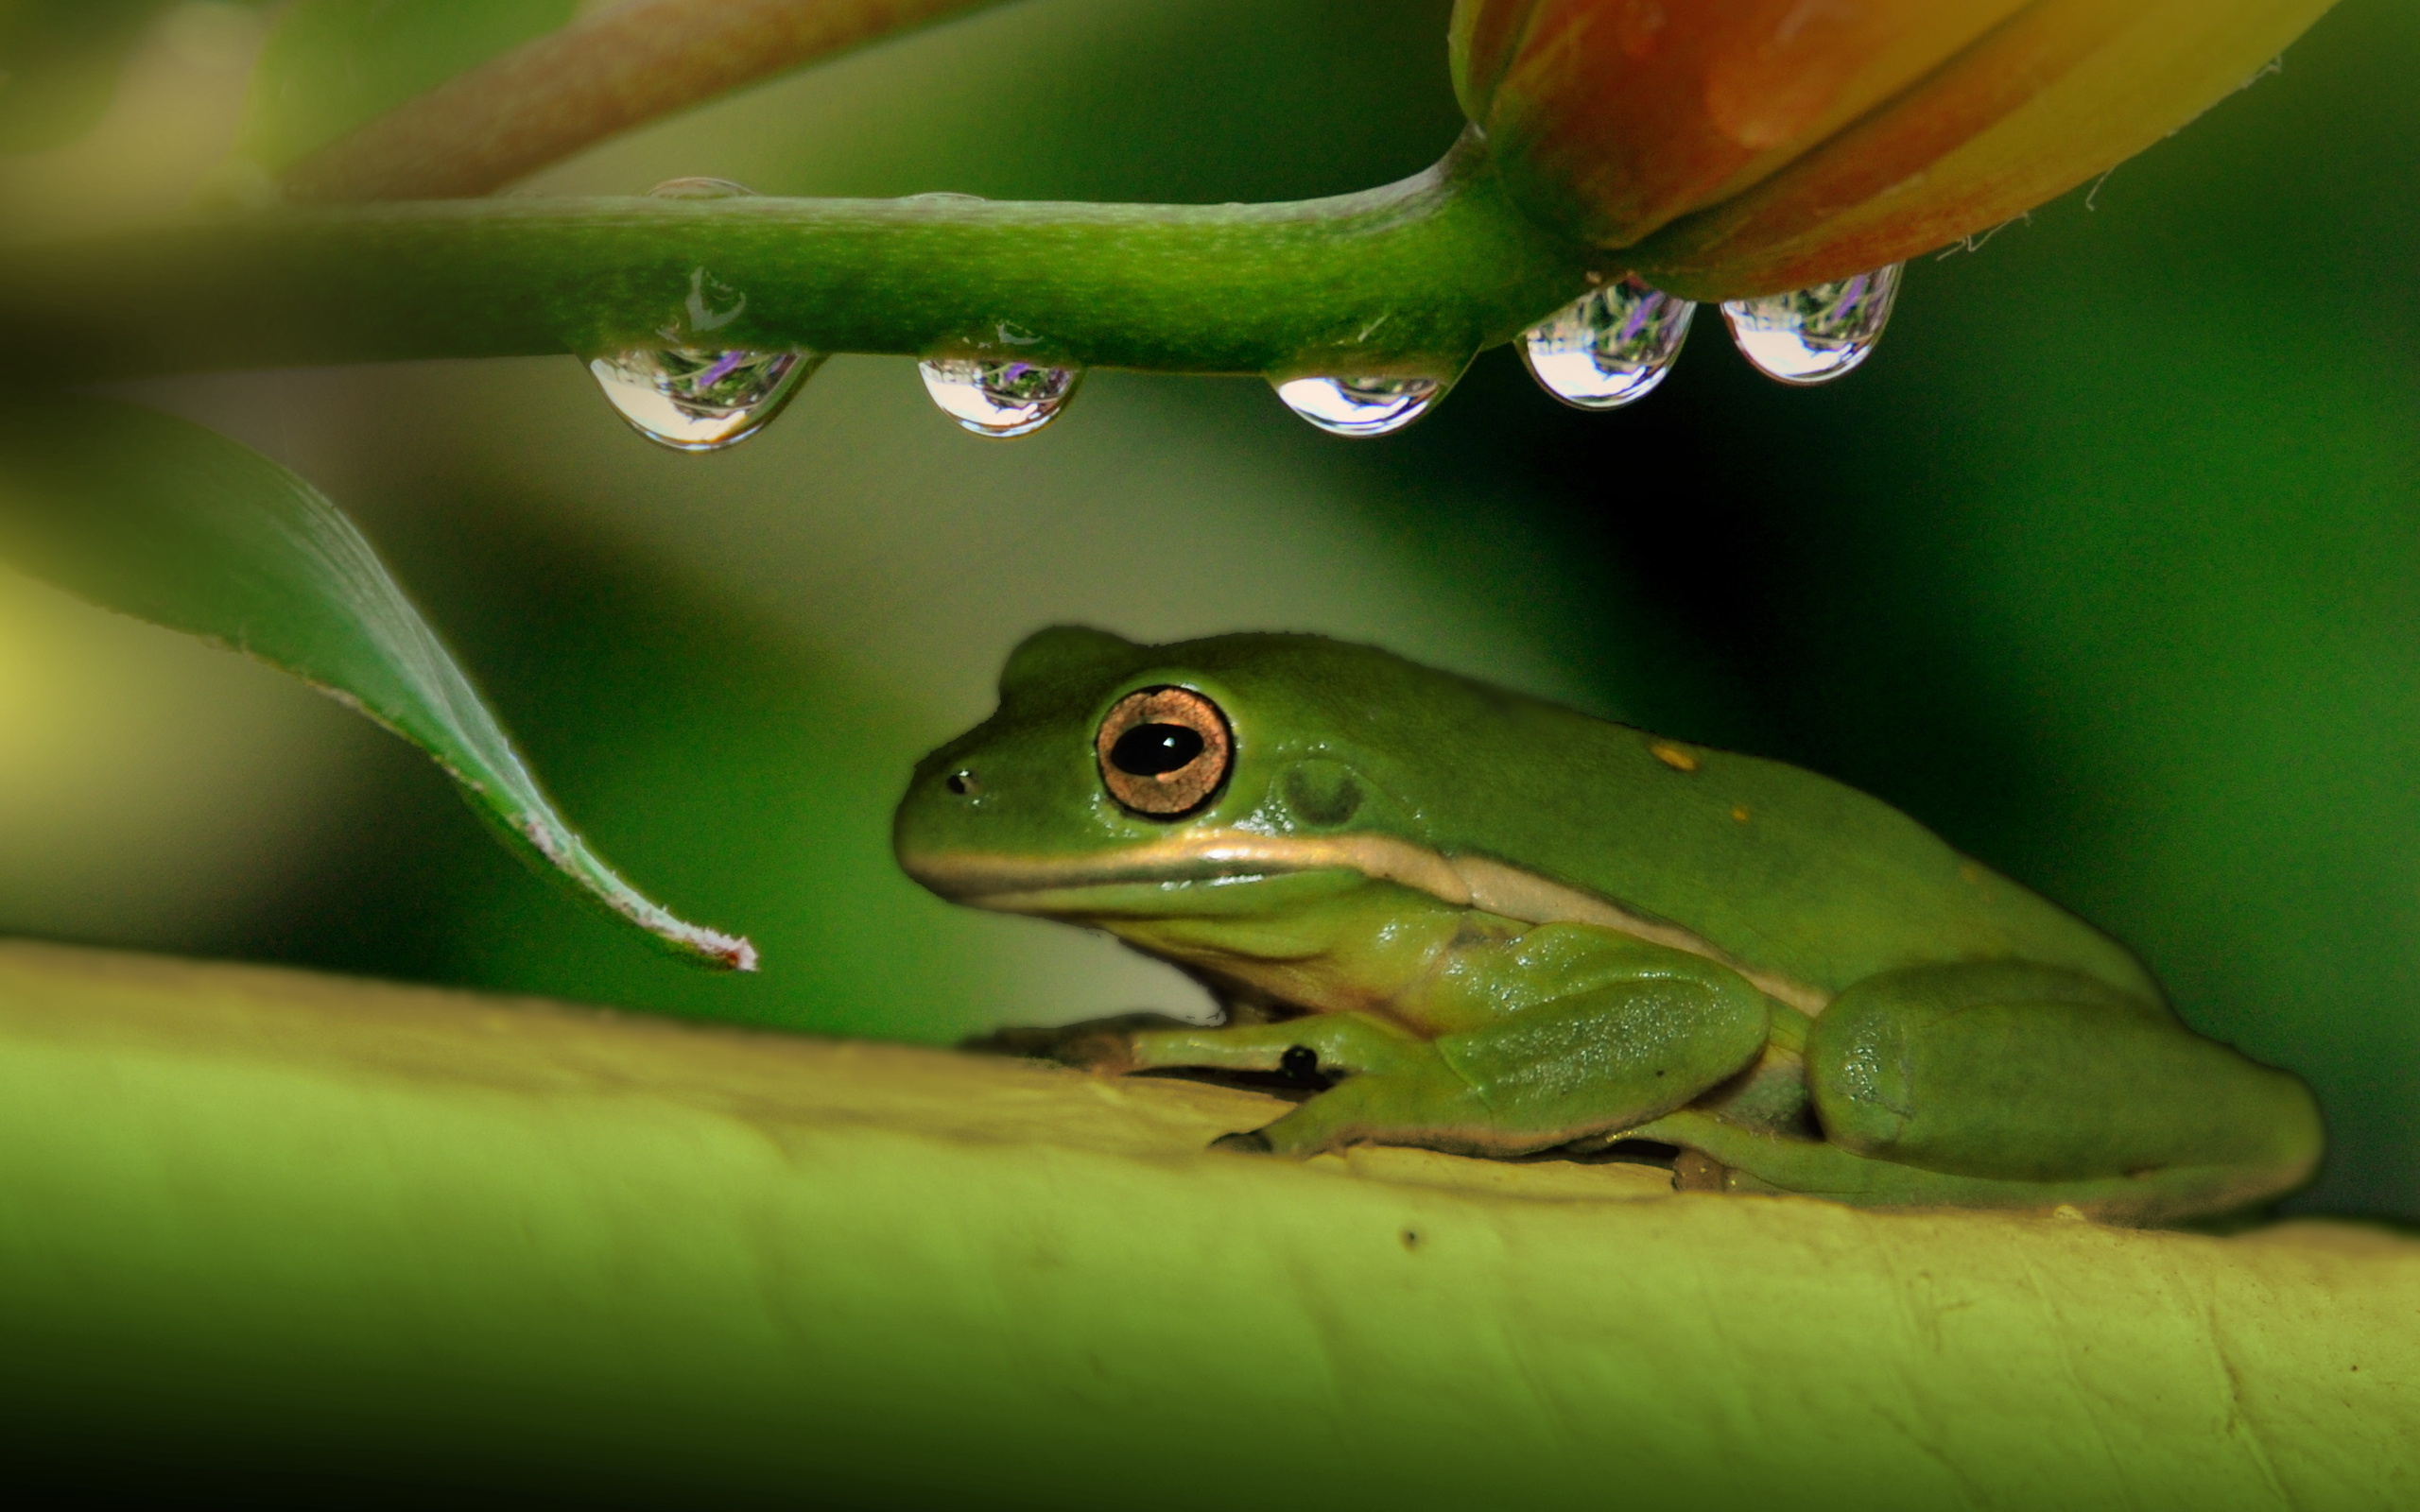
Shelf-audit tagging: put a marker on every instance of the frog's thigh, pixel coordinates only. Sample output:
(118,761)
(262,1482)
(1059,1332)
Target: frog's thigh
(1614,1057)
(2029,1073)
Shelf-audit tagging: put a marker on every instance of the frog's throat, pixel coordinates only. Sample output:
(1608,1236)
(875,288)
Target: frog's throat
(1013,884)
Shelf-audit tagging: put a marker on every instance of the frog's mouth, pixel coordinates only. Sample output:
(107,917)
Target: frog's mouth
(1027,883)
(1147,878)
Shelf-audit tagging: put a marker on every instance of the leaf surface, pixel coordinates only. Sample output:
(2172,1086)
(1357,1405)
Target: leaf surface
(302,1224)
(166,521)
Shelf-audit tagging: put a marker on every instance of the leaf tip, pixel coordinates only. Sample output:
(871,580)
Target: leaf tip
(709,948)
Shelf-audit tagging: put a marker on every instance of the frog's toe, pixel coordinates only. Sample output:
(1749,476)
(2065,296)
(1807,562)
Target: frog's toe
(1251,1141)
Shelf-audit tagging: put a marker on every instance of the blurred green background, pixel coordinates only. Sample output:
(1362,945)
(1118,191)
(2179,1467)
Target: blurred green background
(2107,566)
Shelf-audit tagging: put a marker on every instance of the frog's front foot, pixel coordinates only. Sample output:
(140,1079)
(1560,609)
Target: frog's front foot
(1371,1080)
(1428,1106)
(1397,1092)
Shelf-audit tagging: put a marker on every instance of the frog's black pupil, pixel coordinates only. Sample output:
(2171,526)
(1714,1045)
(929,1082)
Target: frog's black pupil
(1148,751)
(1301,1062)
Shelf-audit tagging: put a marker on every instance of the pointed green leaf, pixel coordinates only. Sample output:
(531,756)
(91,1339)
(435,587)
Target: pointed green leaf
(159,518)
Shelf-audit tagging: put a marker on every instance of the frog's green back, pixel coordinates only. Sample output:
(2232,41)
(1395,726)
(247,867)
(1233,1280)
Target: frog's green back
(1784,870)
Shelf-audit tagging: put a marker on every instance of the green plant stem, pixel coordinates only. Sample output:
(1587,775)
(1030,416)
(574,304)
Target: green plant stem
(1412,278)
(562,92)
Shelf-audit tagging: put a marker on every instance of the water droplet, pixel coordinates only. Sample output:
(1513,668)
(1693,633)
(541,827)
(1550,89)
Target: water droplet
(947,196)
(700,189)
(711,306)
(1610,347)
(1000,398)
(1816,333)
(1360,406)
(698,400)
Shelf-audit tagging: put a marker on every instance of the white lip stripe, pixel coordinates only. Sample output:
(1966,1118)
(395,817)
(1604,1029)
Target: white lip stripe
(1466,881)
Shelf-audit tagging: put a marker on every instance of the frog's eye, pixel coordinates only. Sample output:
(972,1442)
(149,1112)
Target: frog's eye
(1165,751)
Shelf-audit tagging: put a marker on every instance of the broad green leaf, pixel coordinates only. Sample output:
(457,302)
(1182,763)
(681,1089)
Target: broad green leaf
(333,64)
(286,1227)
(59,64)
(166,521)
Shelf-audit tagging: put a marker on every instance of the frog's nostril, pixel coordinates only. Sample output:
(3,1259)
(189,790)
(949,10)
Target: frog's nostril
(965,782)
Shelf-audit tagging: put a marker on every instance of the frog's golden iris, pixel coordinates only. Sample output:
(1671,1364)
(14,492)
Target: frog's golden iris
(1164,752)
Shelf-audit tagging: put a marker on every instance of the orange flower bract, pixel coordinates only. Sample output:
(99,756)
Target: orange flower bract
(1735,148)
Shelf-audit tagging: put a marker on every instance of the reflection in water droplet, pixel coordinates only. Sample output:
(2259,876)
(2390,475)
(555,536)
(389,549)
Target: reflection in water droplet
(698,400)
(998,398)
(711,306)
(1816,333)
(700,189)
(1610,347)
(1360,406)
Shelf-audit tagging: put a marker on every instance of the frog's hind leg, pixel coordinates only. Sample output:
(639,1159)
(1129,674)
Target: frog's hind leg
(2021,1080)
(1718,1156)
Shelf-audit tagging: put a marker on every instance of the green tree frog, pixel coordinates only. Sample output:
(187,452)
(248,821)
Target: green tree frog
(1491,925)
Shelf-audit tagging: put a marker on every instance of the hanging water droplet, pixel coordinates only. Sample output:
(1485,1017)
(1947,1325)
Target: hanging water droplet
(1610,347)
(698,400)
(700,189)
(1816,333)
(711,306)
(1360,406)
(1000,398)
